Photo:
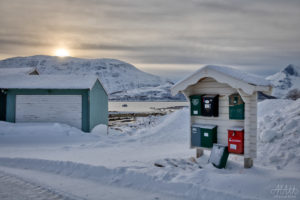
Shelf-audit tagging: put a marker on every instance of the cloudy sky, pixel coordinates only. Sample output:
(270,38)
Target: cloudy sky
(167,37)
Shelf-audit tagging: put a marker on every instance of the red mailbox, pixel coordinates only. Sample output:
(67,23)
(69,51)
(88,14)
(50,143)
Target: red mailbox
(236,140)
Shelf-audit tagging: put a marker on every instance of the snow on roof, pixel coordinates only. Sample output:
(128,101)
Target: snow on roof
(47,82)
(16,71)
(235,78)
(205,126)
(241,75)
(236,128)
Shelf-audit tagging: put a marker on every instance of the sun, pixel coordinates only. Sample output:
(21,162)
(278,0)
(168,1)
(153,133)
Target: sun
(62,52)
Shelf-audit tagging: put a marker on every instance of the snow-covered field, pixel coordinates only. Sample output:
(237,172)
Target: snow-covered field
(61,162)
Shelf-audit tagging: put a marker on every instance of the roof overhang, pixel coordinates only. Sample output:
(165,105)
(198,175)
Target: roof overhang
(219,77)
(48,82)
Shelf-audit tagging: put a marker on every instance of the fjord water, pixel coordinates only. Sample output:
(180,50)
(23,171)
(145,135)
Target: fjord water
(142,106)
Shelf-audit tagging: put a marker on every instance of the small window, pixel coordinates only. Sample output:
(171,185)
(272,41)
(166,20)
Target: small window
(236,99)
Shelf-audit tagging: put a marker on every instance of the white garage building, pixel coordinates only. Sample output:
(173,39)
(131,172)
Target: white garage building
(80,101)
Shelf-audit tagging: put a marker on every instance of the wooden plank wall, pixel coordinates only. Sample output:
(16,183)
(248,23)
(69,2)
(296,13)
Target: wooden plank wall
(250,126)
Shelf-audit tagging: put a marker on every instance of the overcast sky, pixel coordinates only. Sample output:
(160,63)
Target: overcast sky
(167,37)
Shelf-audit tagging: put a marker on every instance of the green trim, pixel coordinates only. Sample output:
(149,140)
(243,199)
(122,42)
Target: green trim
(2,105)
(98,105)
(10,107)
(85,112)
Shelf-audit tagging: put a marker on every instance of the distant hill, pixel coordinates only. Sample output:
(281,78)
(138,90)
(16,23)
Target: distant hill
(122,80)
(285,80)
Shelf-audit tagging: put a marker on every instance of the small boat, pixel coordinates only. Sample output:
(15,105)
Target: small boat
(124,105)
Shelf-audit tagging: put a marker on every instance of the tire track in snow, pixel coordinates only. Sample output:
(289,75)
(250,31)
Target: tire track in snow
(13,187)
(120,177)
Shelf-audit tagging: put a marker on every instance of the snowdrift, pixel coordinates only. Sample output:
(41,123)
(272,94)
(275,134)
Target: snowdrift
(279,133)
(43,134)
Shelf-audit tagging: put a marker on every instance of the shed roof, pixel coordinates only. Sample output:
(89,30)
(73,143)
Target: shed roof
(233,77)
(48,82)
(16,71)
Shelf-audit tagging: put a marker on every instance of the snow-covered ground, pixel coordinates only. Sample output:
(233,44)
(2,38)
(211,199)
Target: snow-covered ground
(74,165)
(279,129)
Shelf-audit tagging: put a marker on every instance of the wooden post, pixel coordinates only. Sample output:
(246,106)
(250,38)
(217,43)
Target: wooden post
(250,128)
(248,163)
(199,152)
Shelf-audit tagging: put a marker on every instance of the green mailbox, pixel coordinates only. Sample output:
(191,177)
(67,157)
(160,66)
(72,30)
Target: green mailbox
(195,135)
(195,105)
(236,107)
(208,135)
(219,155)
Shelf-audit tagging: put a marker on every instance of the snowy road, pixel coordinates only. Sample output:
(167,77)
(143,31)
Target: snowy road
(13,187)
(20,184)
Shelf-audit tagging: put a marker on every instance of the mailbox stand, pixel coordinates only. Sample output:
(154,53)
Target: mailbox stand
(229,99)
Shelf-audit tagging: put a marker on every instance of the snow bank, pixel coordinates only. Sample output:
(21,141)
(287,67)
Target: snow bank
(172,128)
(182,179)
(267,107)
(279,133)
(278,136)
(40,133)
(100,129)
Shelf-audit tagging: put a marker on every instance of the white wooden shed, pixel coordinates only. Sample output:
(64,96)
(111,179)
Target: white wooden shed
(225,81)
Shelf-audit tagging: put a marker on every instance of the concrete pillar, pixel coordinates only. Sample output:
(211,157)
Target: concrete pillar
(248,162)
(199,152)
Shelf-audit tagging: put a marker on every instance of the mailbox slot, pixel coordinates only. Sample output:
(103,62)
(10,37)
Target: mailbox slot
(210,105)
(236,140)
(196,105)
(236,107)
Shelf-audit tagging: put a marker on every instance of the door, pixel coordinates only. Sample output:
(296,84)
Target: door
(196,137)
(2,105)
(50,108)
(195,105)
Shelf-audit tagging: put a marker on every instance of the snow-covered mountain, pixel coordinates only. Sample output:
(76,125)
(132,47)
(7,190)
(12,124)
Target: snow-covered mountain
(285,80)
(122,80)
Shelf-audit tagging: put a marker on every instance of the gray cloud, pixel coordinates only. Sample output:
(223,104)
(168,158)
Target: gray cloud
(234,32)
(22,42)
